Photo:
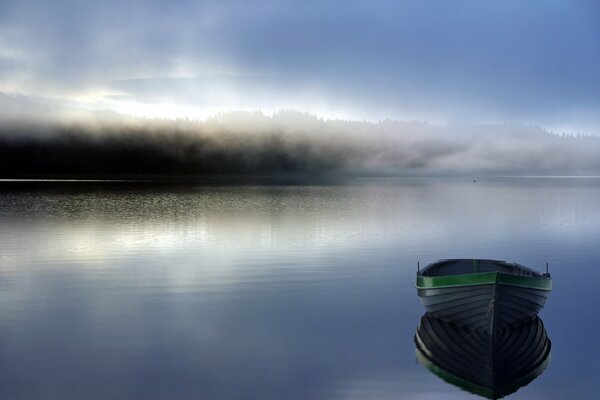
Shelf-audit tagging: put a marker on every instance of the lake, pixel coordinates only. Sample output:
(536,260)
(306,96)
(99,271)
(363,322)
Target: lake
(273,291)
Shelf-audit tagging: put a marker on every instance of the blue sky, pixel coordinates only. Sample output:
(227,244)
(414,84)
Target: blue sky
(534,62)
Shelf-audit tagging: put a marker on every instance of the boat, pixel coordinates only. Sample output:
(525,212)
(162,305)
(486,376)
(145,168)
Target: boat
(485,295)
(491,365)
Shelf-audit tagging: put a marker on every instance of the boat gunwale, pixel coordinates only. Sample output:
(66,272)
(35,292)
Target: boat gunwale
(484,278)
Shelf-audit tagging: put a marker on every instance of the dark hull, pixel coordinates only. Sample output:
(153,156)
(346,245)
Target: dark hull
(488,307)
(491,365)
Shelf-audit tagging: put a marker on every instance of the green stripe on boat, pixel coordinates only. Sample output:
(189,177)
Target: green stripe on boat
(483,278)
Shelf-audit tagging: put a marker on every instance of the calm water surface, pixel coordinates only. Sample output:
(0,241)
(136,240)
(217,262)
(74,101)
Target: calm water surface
(274,292)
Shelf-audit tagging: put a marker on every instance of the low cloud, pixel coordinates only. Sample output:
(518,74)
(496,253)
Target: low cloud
(100,145)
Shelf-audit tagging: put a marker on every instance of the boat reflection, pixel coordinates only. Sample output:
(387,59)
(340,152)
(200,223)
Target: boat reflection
(492,365)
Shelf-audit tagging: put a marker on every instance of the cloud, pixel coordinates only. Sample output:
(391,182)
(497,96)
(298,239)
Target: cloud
(468,62)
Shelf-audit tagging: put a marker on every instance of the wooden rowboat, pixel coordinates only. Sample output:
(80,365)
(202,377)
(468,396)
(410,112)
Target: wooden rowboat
(485,295)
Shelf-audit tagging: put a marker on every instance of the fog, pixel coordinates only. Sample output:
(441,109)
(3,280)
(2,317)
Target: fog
(287,143)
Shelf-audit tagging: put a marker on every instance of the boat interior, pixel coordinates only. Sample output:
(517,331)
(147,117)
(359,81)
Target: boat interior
(469,266)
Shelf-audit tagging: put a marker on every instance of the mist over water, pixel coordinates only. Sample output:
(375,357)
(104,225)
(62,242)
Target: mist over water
(229,199)
(96,145)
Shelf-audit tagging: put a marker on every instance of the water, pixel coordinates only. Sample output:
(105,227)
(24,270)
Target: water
(271,291)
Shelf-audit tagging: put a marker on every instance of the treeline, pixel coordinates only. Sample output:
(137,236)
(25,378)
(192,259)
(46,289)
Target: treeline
(286,144)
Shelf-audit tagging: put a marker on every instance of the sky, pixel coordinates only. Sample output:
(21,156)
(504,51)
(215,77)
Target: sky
(532,62)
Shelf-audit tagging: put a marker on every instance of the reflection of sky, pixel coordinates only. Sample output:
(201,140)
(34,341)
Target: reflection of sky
(234,223)
(472,62)
(270,292)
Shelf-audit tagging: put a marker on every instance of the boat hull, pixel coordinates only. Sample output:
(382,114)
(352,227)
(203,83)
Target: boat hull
(487,301)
